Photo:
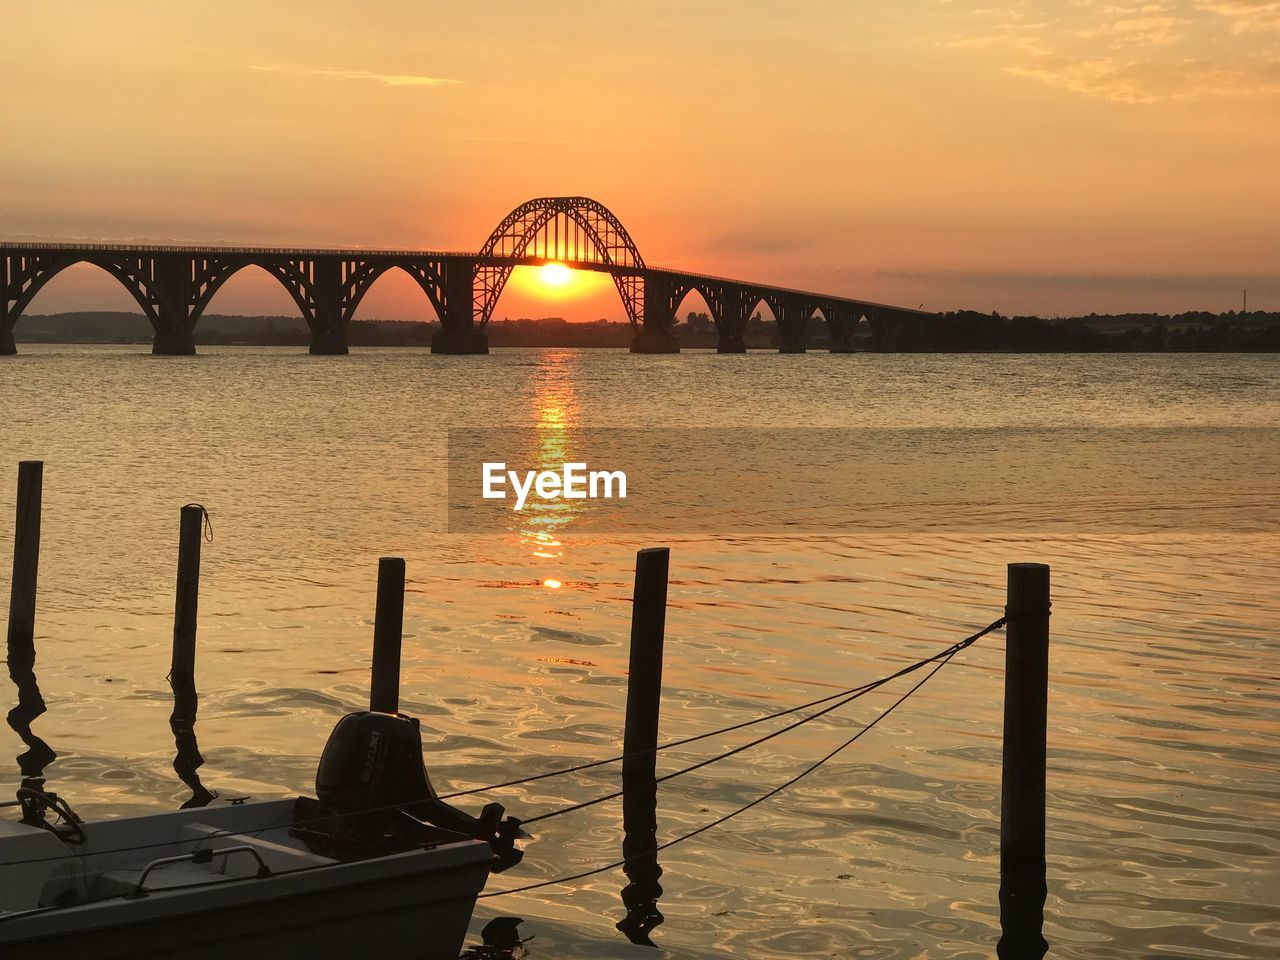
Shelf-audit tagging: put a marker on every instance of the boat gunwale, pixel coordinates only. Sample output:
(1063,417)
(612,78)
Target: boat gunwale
(230,893)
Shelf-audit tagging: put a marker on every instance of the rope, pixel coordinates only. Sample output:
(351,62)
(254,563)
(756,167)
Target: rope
(728,816)
(208,523)
(733,728)
(853,695)
(939,659)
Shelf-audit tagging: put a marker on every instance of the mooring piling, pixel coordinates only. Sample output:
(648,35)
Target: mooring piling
(187,601)
(182,668)
(640,745)
(21,646)
(388,632)
(26,566)
(1022,799)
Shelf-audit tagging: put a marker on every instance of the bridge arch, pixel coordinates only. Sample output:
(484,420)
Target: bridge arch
(770,302)
(712,297)
(314,283)
(294,281)
(361,279)
(577,231)
(40,270)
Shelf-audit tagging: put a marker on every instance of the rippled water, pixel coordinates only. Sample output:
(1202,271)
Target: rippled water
(1164,810)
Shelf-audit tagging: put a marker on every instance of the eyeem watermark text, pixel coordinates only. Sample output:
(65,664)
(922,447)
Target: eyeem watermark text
(573,482)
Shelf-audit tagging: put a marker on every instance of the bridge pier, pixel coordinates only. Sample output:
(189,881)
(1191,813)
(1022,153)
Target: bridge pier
(173,343)
(791,338)
(655,341)
(459,342)
(170,294)
(841,327)
(8,313)
(325,317)
(459,334)
(731,341)
(654,334)
(793,322)
(328,343)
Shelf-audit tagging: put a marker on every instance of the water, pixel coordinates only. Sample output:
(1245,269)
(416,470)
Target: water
(1165,729)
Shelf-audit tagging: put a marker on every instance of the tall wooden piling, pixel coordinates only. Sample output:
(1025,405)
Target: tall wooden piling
(182,669)
(388,631)
(26,566)
(1022,798)
(640,743)
(21,646)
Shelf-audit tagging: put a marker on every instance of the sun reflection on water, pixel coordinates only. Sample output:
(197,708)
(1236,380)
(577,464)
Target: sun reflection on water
(555,416)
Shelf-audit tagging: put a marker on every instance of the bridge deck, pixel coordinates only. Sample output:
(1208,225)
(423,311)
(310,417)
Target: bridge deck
(363,253)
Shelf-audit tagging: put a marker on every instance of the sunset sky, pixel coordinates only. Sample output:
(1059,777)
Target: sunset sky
(1052,157)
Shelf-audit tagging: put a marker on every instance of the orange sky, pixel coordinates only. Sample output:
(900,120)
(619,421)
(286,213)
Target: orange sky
(1040,156)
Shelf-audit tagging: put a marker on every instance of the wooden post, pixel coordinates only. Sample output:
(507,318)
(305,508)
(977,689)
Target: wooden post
(388,629)
(22,618)
(26,566)
(187,602)
(1022,798)
(182,669)
(640,743)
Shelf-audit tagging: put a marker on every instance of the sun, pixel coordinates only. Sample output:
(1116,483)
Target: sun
(555,274)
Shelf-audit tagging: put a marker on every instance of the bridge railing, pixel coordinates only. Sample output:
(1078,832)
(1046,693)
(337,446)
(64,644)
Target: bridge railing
(786,291)
(237,251)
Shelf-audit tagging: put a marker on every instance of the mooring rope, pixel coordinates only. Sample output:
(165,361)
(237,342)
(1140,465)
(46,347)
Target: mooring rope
(733,813)
(853,695)
(206,522)
(939,660)
(733,728)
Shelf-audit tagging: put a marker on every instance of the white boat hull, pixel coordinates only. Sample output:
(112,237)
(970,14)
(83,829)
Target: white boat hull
(414,904)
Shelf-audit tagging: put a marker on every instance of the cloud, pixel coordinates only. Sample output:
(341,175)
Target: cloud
(386,79)
(1138,81)
(1246,15)
(1135,52)
(1156,31)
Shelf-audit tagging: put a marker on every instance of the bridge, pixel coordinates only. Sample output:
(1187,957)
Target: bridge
(174,284)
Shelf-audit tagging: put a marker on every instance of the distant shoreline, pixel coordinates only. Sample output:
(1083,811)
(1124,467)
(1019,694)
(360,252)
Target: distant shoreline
(956,332)
(684,347)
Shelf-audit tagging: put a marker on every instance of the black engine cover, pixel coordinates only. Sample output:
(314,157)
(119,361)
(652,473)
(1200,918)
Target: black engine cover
(373,761)
(372,787)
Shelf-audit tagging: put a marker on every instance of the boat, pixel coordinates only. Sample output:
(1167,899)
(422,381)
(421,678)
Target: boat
(374,864)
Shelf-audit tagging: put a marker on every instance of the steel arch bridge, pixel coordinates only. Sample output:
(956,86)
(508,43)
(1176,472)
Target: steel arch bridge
(173,285)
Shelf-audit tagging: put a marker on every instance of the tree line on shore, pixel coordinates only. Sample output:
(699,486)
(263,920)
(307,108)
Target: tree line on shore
(957,331)
(1196,331)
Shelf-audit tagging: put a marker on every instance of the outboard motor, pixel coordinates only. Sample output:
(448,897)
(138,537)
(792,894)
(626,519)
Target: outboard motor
(372,781)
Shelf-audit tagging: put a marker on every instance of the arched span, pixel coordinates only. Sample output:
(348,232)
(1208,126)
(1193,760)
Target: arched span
(360,280)
(577,231)
(292,276)
(710,296)
(132,275)
(602,238)
(769,300)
